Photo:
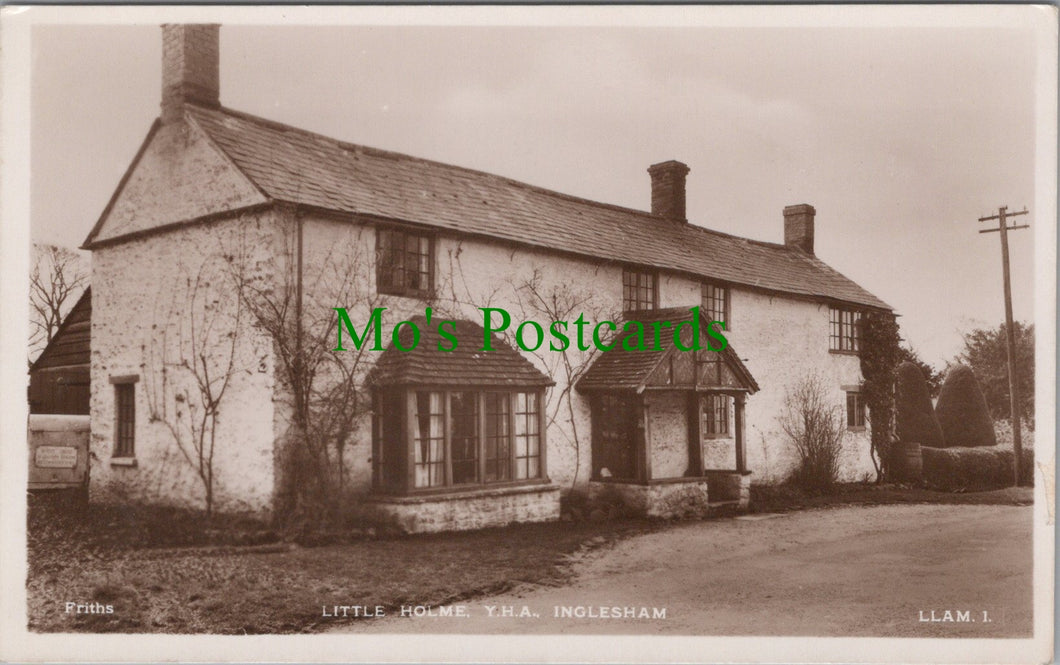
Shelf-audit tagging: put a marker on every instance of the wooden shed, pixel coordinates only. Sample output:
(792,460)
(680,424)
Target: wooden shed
(59,378)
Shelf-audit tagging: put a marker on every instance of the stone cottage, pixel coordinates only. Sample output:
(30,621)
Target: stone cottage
(217,201)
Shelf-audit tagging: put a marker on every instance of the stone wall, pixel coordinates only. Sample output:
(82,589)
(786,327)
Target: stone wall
(479,509)
(688,498)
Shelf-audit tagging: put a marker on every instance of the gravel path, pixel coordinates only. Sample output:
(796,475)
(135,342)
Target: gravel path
(854,571)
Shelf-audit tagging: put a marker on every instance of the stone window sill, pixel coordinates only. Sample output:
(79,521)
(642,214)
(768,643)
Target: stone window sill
(123,461)
(857,429)
(543,485)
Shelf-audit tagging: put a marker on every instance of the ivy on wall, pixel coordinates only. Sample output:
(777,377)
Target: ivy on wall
(880,356)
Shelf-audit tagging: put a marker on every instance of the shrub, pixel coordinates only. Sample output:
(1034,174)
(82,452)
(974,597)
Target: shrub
(974,469)
(962,411)
(815,430)
(915,418)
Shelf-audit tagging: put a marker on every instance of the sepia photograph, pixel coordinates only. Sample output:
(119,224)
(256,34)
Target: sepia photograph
(671,334)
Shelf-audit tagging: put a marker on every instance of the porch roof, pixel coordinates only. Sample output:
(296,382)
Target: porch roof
(621,369)
(466,365)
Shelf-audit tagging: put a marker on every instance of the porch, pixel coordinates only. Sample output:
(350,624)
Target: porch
(668,424)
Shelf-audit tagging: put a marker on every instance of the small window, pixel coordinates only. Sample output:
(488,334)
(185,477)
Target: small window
(403,263)
(716,411)
(125,420)
(844,335)
(714,303)
(639,290)
(855,411)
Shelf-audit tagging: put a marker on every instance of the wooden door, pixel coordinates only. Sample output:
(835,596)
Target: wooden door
(614,436)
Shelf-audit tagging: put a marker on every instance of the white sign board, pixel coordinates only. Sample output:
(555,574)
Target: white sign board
(56,457)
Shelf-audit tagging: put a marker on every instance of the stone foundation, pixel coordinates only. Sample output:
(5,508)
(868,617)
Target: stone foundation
(730,486)
(680,497)
(477,509)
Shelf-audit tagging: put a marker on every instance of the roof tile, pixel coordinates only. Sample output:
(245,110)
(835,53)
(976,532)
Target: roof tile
(297,166)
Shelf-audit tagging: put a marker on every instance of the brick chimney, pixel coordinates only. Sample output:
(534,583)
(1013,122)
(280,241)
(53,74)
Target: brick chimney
(798,226)
(668,190)
(190,67)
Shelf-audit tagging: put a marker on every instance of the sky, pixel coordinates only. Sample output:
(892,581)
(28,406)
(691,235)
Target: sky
(900,137)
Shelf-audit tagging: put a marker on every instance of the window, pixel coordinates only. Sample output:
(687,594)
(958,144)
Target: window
(716,416)
(403,263)
(458,438)
(855,411)
(714,303)
(844,336)
(639,290)
(125,420)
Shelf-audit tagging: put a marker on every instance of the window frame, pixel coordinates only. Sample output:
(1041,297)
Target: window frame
(123,450)
(859,413)
(844,331)
(385,268)
(708,426)
(634,274)
(406,484)
(726,299)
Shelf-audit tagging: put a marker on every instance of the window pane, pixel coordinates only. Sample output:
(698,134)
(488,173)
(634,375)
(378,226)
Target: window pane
(428,440)
(498,453)
(403,262)
(527,437)
(464,438)
(125,427)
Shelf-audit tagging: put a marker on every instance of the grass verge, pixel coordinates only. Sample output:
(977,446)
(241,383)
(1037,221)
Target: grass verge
(159,571)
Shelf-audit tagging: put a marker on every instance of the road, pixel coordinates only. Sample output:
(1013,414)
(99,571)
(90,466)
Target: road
(884,571)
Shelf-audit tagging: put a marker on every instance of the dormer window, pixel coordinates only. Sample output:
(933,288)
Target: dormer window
(404,263)
(640,290)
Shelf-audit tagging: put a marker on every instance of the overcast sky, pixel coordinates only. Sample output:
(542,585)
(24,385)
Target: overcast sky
(900,137)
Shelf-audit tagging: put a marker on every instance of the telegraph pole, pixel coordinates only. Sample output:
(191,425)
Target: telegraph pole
(1010,333)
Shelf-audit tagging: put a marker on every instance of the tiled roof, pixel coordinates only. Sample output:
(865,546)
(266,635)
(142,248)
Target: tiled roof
(466,365)
(621,369)
(297,166)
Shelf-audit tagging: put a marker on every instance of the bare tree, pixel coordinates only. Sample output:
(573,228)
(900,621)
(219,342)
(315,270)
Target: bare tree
(56,281)
(292,302)
(193,361)
(540,301)
(563,302)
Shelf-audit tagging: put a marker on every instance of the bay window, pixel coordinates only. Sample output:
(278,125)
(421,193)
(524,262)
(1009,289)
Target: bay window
(437,439)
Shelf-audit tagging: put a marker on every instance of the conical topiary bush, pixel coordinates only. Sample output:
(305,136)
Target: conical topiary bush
(962,411)
(914,416)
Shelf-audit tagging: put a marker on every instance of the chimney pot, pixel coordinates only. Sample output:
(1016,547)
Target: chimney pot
(798,226)
(190,67)
(668,190)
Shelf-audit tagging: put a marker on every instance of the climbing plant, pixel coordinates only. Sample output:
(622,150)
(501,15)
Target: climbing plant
(880,356)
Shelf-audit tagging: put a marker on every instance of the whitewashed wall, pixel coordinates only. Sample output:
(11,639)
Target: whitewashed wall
(781,340)
(143,316)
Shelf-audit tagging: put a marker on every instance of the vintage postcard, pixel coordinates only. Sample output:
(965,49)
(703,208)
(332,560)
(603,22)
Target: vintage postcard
(528,334)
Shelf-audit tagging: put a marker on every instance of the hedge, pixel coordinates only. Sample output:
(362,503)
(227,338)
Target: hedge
(915,420)
(972,469)
(962,411)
